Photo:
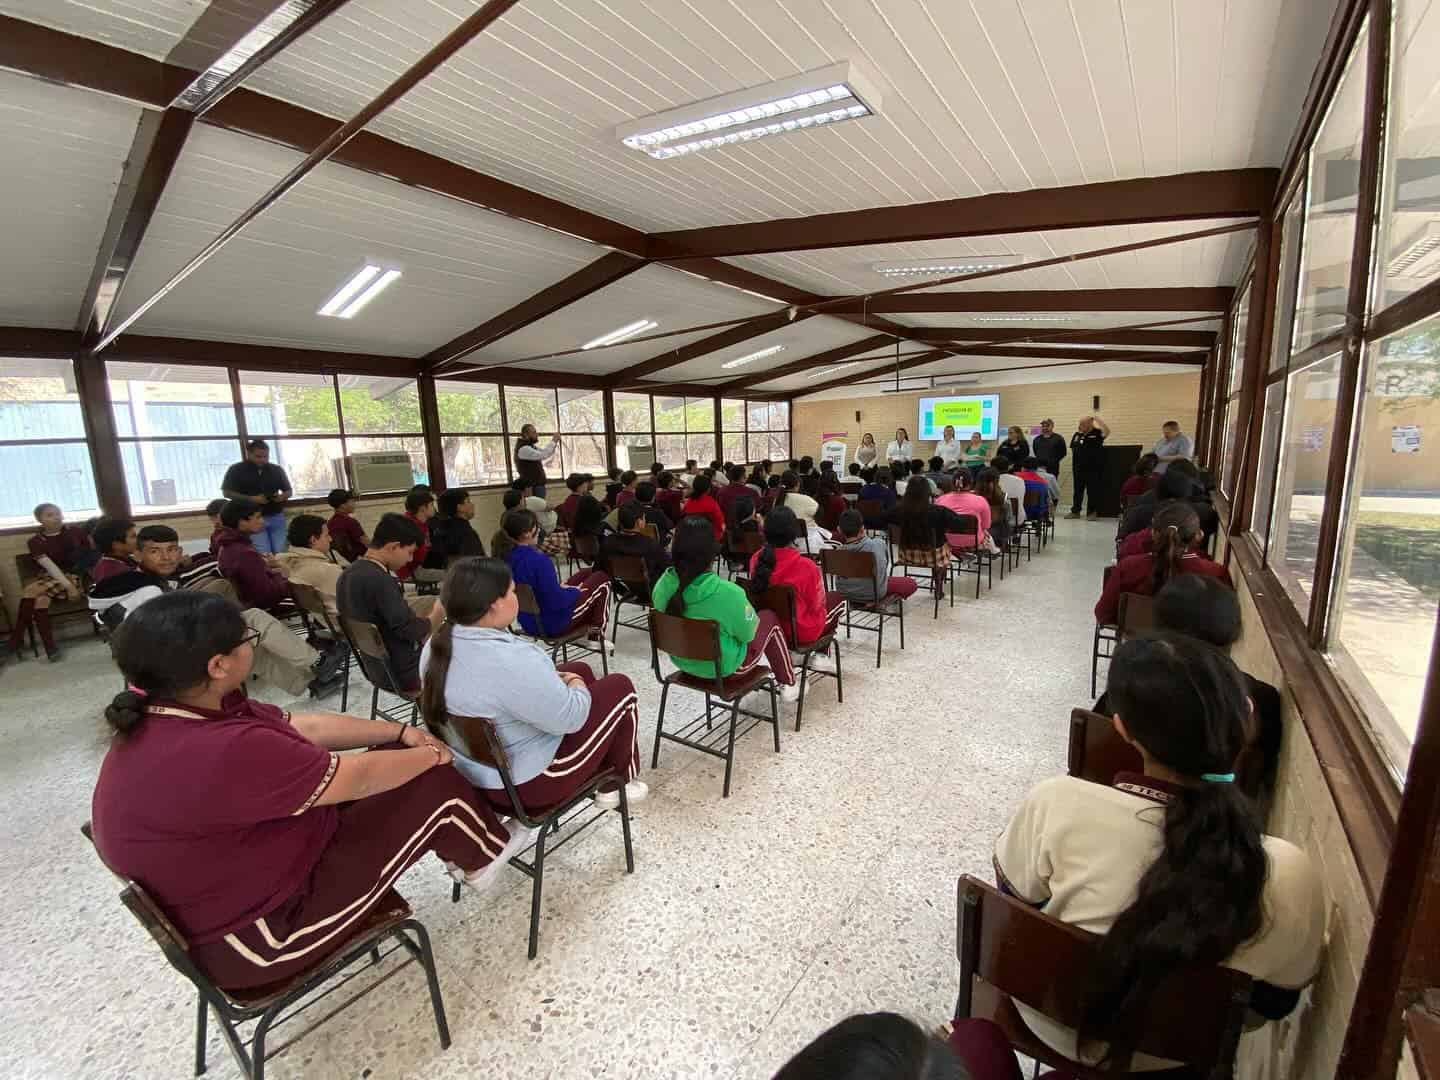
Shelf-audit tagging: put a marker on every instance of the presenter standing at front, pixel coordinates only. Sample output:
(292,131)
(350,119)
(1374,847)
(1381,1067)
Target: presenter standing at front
(900,448)
(530,459)
(1087,450)
(949,449)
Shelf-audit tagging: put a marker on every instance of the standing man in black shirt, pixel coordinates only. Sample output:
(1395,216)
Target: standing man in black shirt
(1049,448)
(257,481)
(1087,449)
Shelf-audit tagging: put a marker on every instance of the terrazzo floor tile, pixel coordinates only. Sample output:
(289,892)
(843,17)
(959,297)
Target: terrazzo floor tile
(825,884)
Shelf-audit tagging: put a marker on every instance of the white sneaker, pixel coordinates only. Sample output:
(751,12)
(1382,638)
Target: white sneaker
(823,662)
(791,693)
(635,791)
(991,546)
(484,878)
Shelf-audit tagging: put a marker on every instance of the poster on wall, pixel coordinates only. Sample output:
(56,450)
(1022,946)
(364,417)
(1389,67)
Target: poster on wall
(1312,439)
(833,451)
(1405,439)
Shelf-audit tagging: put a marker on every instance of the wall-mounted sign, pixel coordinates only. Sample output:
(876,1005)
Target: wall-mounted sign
(1405,439)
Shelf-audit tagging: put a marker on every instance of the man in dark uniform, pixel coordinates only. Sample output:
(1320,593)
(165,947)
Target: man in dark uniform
(1049,448)
(258,481)
(1087,450)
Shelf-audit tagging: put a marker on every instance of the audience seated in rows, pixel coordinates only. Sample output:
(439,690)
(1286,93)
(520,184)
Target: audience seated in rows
(1140,480)
(114,539)
(733,489)
(1181,481)
(778,563)
(257,582)
(880,489)
(244,822)
(557,726)
(1175,537)
(346,536)
(451,534)
(629,539)
(924,527)
(691,588)
(702,504)
(419,508)
(583,600)
(958,496)
(1012,487)
(65,556)
(850,532)
(311,558)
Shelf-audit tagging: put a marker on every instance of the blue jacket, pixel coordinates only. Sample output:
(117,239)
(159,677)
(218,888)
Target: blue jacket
(530,566)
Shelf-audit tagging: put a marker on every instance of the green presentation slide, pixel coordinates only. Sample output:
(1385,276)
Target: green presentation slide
(961,412)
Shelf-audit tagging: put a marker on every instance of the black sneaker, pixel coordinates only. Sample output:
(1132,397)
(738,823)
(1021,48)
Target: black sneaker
(320,689)
(331,664)
(53,655)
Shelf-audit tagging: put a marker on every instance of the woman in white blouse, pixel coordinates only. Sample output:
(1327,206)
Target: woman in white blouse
(949,449)
(900,448)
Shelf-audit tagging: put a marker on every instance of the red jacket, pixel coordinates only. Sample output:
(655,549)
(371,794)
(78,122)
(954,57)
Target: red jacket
(1135,574)
(244,567)
(671,501)
(802,575)
(565,512)
(705,506)
(1137,543)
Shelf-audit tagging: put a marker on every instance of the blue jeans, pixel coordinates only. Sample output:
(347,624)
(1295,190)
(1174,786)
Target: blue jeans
(272,537)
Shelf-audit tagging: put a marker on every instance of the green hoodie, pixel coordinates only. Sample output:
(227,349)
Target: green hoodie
(723,602)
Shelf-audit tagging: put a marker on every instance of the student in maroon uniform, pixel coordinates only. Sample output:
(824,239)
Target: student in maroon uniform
(669,497)
(212,511)
(257,583)
(263,845)
(345,532)
(1175,533)
(63,552)
(114,539)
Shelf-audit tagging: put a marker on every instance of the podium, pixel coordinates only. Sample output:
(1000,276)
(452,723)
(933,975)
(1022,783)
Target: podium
(1119,464)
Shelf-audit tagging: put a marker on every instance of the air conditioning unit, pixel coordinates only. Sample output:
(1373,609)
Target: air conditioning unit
(379,470)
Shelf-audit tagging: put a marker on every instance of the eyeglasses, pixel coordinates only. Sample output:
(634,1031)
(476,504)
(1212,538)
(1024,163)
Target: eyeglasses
(250,637)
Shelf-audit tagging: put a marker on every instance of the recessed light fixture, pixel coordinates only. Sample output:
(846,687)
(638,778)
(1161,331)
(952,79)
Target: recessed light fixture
(831,370)
(364,285)
(741,361)
(620,333)
(812,99)
(960,264)
(1026,318)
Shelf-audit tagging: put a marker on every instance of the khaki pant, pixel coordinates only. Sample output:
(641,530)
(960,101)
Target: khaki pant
(281,658)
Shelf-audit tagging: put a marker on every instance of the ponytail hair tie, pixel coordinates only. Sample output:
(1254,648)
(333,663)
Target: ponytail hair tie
(133,689)
(1218,777)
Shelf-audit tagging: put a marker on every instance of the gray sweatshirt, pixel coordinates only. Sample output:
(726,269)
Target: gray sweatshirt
(858,588)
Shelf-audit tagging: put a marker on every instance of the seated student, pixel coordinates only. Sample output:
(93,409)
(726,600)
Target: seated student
(756,481)
(346,535)
(1012,487)
(368,591)
(281,659)
(312,559)
(612,486)
(692,470)
(957,496)
(987,486)
(265,846)
(1175,536)
(64,553)
(744,518)
(114,539)
(732,490)
(669,497)
(451,534)
(558,727)
(212,511)
(629,540)
(924,527)
(579,485)
(778,563)
(500,542)
(831,502)
(1034,484)
(690,588)
(1052,482)
(935,469)
(1141,479)
(419,508)
(799,504)
(589,521)
(650,513)
(852,482)
(850,532)
(1180,481)
(257,583)
(628,480)
(881,490)
(584,599)
(1170,865)
(702,504)
(879,1046)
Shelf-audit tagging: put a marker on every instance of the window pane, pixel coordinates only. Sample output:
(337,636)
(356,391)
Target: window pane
(527,405)
(700,414)
(1300,487)
(757,415)
(178,475)
(371,405)
(669,413)
(1410,231)
(166,399)
(45,472)
(700,447)
(1269,452)
(312,464)
(780,416)
(289,404)
(759,450)
(732,414)
(1290,237)
(582,410)
(467,407)
(38,401)
(670,449)
(1334,181)
(1237,344)
(779,446)
(632,412)
(475,461)
(415,447)
(1389,582)
(734,448)
(583,453)
(1227,449)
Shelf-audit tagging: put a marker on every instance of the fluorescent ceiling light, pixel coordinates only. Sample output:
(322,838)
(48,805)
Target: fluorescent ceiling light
(629,330)
(366,284)
(959,264)
(809,100)
(1027,318)
(832,369)
(743,360)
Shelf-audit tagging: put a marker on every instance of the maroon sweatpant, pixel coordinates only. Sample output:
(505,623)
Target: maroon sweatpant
(27,614)
(378,839)
(606,741)
(593,607)
(768,646)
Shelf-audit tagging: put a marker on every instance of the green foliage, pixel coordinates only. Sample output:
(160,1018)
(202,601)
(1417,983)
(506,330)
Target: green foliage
(1409,368)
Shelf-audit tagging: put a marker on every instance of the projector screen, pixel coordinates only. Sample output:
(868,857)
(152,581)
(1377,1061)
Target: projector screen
(979,412)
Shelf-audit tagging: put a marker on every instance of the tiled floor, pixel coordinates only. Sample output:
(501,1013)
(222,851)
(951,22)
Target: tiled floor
(824,885)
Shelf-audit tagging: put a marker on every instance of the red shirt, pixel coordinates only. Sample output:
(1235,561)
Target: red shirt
(565,512)
(406,571)
(622,496)
(706,506)
(1137,543)
(1134,487)
(347,535)
(802,575)
(62,547)
(213,812)
(1135,574)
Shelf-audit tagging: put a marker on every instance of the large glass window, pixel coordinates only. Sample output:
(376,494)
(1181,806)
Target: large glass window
(1409,241)
(43,453)
(582,431)
(732,426)
(1233,417)
(1270,429)
(472,433)
(690,417)
(769,430)
(1389,579)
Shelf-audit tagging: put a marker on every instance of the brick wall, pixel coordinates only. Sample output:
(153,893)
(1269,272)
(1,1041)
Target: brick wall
(1134,407)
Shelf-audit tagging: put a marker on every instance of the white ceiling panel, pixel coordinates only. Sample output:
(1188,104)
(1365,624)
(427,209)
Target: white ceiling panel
(673,299)
(1006,95)
(64,151)
(151,27)
(460,265)
(800,339)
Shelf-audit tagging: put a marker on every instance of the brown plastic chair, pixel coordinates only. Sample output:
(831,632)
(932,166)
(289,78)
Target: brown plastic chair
(1097,752)
(366,643)
(699,640)
(1137,614)
(589,639)
(781,600)
(933,577)
(838,562)
(971,560)
(1106,635)
(870,510)
(309,600)
(391,918)
(1011,952)
(476,738)
(631,572)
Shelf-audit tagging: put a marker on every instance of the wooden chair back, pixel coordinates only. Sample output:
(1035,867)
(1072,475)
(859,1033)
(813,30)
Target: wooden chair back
(648,528)
(365,639)
(1005,945)
(525,597)
(1096,752)
(781,600)
(309,600)
(870,509)
(751,541)
(842,562)
(585,546)
(687,639)
(151,916)
(631,571)
(1137,613)
(475,737)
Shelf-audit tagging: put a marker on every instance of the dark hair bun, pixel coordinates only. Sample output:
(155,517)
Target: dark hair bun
(125,712)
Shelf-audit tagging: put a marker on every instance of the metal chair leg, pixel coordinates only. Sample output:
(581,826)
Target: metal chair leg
(730,747)
(839,679)
(775,712)
(659,726)
(800,702)
(902,626)
(879,638)
(432,979)
(345,687)
(625,828)
(202,1014)
(535,887)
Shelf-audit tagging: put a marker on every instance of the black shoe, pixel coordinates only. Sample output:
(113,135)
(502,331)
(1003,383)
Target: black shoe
(319,688)
(53,655)
(331,664)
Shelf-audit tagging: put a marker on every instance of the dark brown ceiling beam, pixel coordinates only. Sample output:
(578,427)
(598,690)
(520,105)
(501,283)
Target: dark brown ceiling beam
(604,271)
(162,350)
(1026,300)
(37,342)
(1188,339)
(817,360)
(1180,197)
(736,335)
(89,65)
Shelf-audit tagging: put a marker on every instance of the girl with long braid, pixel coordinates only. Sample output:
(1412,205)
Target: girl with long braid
(1175,534)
